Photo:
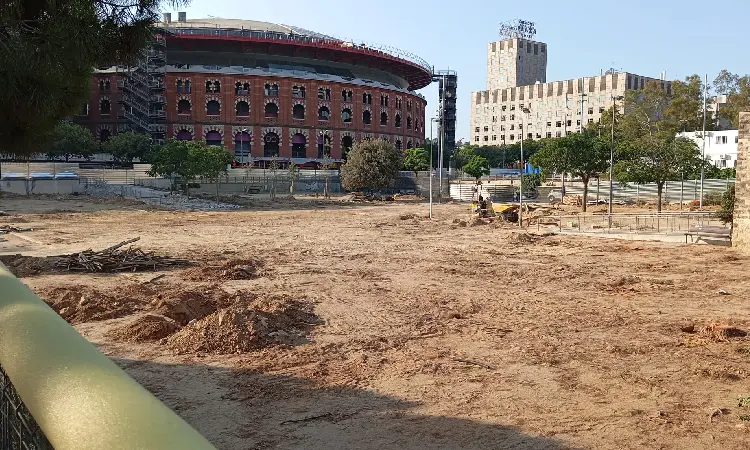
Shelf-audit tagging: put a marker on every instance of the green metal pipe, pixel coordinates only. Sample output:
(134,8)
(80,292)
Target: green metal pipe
(79,397)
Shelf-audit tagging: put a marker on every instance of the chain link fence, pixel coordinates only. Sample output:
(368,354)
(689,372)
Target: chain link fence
(18,429)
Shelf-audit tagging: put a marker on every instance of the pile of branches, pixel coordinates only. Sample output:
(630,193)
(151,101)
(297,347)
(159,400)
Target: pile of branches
(116,259)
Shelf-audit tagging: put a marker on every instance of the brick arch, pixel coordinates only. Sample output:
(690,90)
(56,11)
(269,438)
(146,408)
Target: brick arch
(218,128)
(238,130)
(101,128)
(178,128)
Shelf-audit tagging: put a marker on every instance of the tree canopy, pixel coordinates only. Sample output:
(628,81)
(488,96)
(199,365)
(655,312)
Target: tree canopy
(371,164)
(125,147)
(477,167)
(48,51)
(737,90)
(189,160)
(416,159)
(69,140)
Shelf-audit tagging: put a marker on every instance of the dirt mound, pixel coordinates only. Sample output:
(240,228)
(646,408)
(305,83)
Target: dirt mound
(522,238)
(243,328)
(25,266)
(721,333)
(79,304)
(231,269)
(186,305)
(150,327)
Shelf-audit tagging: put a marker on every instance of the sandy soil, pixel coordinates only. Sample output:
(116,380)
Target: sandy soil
(376,329)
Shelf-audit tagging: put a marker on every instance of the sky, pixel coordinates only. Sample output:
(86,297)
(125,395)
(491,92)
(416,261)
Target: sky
(583,37)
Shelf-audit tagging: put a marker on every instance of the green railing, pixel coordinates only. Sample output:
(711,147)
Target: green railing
(57,386)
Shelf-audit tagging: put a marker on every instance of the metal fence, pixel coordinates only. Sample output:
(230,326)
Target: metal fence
(638,223)
(18,429)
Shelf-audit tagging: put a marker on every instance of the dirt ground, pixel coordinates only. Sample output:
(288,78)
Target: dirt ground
(372,327)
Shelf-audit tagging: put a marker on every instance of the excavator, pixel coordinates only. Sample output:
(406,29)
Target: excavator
(483,207)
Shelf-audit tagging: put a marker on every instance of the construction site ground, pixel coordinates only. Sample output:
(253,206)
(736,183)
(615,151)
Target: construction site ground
(339,326)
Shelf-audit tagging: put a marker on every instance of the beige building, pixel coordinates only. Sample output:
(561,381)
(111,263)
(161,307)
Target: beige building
(517,80)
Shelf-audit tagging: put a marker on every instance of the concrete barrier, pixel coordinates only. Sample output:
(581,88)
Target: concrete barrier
(79,397)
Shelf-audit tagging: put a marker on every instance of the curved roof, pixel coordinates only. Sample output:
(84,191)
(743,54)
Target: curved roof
(413,68)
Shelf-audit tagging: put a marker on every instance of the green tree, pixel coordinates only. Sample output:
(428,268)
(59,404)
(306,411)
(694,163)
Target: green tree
(416,159)
(371,164)
(477,167)
(124,147)
(737,90)
(726,213)
(685,108)
(646,112)
(584,155)
(69,140)
(293,173)
(464,154)
(657,159)
(47,54)
(208,162)
(189,160)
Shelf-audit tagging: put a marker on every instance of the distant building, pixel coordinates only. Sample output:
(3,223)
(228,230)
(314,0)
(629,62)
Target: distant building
(721,146)
(517,79)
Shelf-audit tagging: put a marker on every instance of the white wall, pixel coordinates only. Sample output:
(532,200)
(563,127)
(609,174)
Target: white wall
(721,146)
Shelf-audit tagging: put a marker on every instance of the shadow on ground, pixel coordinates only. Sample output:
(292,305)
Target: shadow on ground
(238,409)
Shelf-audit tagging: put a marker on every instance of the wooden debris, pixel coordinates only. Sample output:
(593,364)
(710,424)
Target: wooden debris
(11,229)
(113,259)
(308,419)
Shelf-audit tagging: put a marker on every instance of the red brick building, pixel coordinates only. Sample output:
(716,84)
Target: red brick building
(264,90)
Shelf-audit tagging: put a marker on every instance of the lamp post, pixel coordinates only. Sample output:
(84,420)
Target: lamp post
(431,150)
(703,146)
(612,157)
(520,176)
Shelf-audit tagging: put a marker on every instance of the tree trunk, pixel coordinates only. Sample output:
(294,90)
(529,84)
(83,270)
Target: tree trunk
(291,188)
(659,189)
(217,190)
(585,180)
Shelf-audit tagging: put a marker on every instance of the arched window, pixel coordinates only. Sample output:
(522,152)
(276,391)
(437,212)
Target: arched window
(299,146)
(183,107)
(298,112)
(179,86)
(384,118)
(243,109)
(272,90)
(105,107)
(104,135)
(346,145)
(398,121)
(214,138)
(346,115)
(107,85)
(408,123)
(366,117)
(271,145)
(324,145)
(324,113)
(188,87)
(346,95)
(399,146)
(184,135)
(409,144)
(84,110)
(242,147)
(213,108)
(271,110)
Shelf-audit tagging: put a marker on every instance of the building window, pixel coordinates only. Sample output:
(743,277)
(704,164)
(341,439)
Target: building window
(242,88)
(591,111)
(271,90)
(549,134)
(505,107)
(298,92)
(578,123)
(298,112)
(84,110)
(271,110)
(502,118)
(383,118)
(271,144)
(486,129)
(104,135)
(299,146)
(367,99)
(383,99)
(242,147)
(243,109)
(184,107)
(512,107)
(512,137)
(398,105)
(324,146)
(512,127)
(529,135)
(397,121)
(476,138)
(105,107)
(213,108)
(346,145)
(601,110)
(494,137)
(719,139)
(486,138)
(214,138)
(476,129)
(346,115)
(213,86)
(184,135)
(559,124)
(570,123)
(512,117)
(105,85)
(366,117)
(591,120)
(324,113)
(502,137)
(558,134)
(408,123)
(408,105)
(179,86)
(346,95)
(324,94)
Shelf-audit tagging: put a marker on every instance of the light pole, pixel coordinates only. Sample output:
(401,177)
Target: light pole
(520,176)
(703,151)
(612,157)
(432,148)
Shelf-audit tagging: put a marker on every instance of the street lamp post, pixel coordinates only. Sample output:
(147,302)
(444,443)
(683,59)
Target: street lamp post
(703,143)
(431,150)
(520,176)
(612,158)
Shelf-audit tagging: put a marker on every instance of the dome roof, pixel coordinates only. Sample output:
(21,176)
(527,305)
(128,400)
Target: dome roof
(239,24)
